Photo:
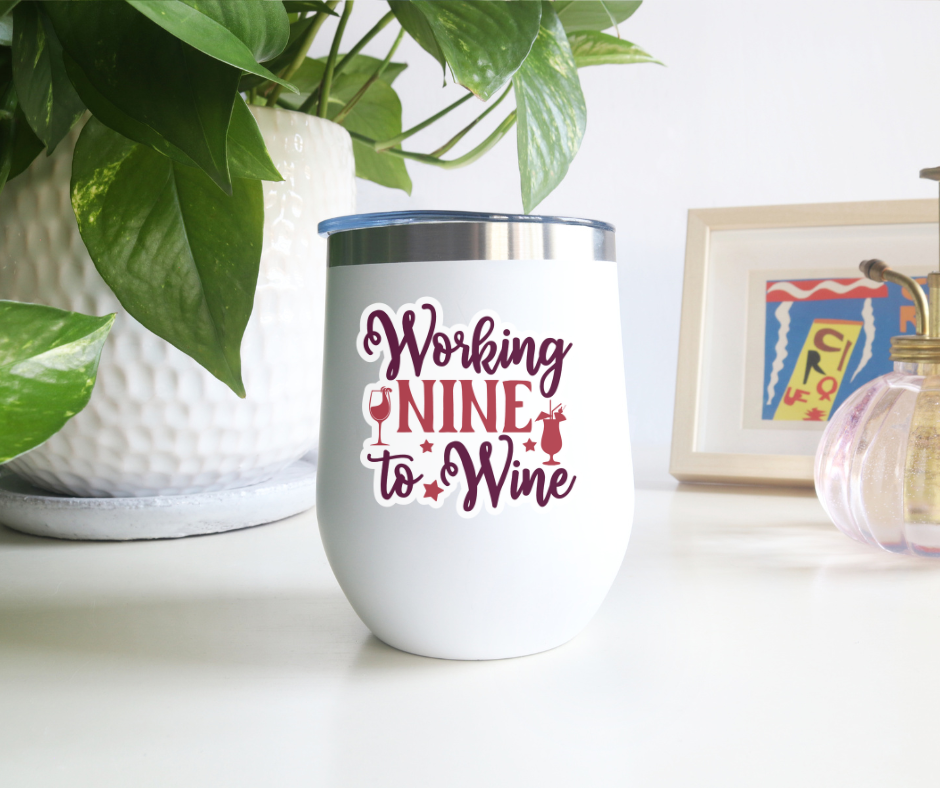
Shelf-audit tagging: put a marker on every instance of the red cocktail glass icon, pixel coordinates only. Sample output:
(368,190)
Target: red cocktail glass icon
(380,407)
(551,432)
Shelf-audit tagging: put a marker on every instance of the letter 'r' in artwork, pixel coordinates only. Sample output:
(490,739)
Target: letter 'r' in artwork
(824,339)
(469,412)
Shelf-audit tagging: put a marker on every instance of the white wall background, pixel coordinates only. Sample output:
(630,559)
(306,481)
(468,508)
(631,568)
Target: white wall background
(761,103)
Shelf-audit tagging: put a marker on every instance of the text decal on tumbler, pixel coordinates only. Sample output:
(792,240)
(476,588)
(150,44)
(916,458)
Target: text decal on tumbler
(471,412)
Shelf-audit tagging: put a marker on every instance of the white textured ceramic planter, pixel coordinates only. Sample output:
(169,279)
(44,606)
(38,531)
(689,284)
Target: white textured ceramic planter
(157,422)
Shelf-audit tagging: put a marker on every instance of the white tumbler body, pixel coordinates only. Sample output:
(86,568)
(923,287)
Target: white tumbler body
(474,562)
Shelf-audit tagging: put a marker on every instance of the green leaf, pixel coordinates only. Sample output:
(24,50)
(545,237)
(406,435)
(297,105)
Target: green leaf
(594,14)
(360,68)
(306,79)
(261,24)
(118,120)
(26,146)
(183,95)
(484,42)
(48,365)
(18,145)
(247,155)
(591,48)
(357,71)
(295,42)
(6,6)
(8,111)
(376,115)
(551,111)
(416,26)
(299,6)
(45,93)
(180,256)
(235,33)
(297,34)
(7,127)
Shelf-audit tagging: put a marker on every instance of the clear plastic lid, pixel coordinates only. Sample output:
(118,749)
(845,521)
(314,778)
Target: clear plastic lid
(360,221)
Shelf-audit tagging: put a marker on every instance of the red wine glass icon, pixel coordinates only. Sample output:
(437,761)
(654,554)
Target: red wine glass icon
(380,408)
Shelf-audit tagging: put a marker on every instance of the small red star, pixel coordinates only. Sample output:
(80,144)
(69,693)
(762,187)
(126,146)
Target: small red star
(425,448)
(432,490)
(529,445)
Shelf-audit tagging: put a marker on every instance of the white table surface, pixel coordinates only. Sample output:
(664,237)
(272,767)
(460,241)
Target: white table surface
(745,642)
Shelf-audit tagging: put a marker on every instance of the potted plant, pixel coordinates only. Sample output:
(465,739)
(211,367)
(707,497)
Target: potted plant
(199,146)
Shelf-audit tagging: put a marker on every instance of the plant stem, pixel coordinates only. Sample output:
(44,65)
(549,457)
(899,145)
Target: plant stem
(327,81)
(452,164)
(487,145)
(319,18)
(340,116)
(613,21)
(341,66)
(384,145)
(376,29)
(466,129)
(298,60)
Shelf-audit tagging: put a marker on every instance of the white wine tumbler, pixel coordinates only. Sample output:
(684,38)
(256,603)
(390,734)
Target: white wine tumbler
(475,487)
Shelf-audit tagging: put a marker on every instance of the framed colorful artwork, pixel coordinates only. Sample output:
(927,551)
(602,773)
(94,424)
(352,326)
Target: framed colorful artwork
(779,327)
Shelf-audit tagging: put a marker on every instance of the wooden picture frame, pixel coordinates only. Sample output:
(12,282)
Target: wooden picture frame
(713,441)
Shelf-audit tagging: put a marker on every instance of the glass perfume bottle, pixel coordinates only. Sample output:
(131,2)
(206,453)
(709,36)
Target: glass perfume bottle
(878,463)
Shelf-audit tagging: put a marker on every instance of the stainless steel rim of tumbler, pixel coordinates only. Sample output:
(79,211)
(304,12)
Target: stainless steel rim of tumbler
(453,241)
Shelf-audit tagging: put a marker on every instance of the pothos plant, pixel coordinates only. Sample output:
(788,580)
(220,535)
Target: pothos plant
(167,169)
